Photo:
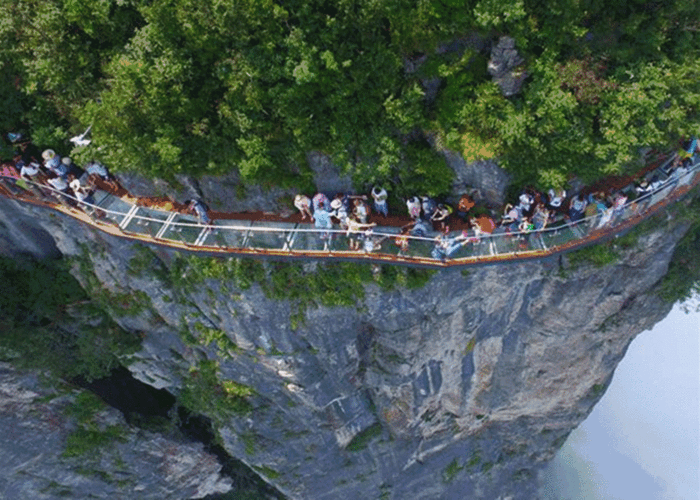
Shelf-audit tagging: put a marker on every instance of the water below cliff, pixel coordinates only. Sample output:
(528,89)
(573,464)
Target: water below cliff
(642,440)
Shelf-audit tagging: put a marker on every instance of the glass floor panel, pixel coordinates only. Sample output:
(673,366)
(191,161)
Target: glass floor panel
(311,241)
(387,245)
(114,204)
(559,236)
(505,244)
(185,233)
(228,237)
(150,227)
(268,239)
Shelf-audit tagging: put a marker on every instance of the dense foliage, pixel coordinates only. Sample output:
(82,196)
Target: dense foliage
(682,282)
(180,86)
(47,321)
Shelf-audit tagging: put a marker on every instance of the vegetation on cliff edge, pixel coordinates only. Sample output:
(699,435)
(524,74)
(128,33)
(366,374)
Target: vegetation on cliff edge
(206,87)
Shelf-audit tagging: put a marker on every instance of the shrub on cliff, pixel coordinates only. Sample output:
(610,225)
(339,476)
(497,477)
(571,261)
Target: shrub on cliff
(202,87)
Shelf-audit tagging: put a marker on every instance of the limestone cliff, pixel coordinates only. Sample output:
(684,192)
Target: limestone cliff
(458,388)
(59,442)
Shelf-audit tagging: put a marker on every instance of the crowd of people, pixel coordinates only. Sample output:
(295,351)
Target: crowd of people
(53,176)
(430,219)
(47,175)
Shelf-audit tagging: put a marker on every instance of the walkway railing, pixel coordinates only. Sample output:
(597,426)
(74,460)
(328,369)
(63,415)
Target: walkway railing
(118,216)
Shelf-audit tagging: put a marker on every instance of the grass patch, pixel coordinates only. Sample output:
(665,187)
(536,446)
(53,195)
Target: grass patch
(477,148)
(362,439)
(451,471)
(204,393)
(87,439)
(88,436)
(267,472)
(470,346)
(600,255)
(474,460)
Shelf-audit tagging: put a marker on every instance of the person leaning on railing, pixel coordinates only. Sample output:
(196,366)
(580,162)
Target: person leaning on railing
(446,247)
(61,191)
(354,232)
(32,173)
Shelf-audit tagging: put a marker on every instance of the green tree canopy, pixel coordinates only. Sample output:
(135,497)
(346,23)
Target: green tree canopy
(180,86)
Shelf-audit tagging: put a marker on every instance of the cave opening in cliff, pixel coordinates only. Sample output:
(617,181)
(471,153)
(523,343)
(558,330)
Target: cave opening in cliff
(157,410)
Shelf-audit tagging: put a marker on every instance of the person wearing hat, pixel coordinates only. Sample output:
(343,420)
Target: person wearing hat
(32,172)
(60,186)
(83,195)
(339,212)
(53,162)
(303,204)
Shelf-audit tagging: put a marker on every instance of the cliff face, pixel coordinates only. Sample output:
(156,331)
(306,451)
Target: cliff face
(456,389)
(59,442)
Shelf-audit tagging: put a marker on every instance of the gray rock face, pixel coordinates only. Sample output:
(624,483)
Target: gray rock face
(485,176)
(504,66)
(459,389)
(227,193)
(327,176)
(37,426)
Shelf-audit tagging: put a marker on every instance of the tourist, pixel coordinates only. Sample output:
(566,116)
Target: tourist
(465,204)
(540,217)
(446,247)
(354,232)
(303,204)
(60,189)
(419,228)
(372,243)
(97,170)
(401,241)
(414,206)
(198,208)
(73,171)
(53,163)
(442,214)
(525,228)
(482,225)
(319,201)
(32,173)
(380,196)
(340,212)
(360,211)
(577,207)
(428,206)
(84,196)
(619,204)
(555,199)
(525,202)
(322,220)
